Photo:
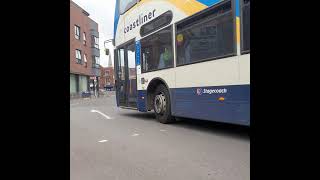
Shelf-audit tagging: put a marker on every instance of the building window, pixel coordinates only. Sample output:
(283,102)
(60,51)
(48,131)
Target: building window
(107,73)
(85,60)
(245,26)
(126,4)
(95,61)
(83,83)
(78,56)
(73,84)
(84,38)
(77,32)
(206,36)
(159,22)
(156,50)
(95,42)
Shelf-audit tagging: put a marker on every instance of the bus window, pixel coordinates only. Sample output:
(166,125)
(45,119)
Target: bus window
(156,50)
(126,4)
(161,21)
(121,64)
(205,36)
(245,26)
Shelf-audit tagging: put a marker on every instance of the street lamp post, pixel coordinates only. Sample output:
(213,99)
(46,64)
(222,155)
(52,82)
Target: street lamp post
(107,41)
(107,51)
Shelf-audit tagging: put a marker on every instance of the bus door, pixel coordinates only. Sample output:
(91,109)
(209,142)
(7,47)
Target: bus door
(120,79)
(126,85)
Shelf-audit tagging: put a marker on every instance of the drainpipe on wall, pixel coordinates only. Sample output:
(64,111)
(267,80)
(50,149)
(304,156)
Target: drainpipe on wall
(94,87)
(97,86)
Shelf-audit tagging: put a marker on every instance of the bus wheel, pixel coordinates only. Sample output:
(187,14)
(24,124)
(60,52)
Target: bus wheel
(162,106)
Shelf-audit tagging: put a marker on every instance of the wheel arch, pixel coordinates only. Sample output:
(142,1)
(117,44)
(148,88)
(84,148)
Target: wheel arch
(154,83)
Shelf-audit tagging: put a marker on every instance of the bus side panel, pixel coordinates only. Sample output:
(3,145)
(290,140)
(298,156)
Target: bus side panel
(141,103)
(205,103)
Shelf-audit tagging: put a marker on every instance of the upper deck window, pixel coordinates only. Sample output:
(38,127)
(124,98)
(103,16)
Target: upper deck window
(207,35)
(245,26)
(126,4)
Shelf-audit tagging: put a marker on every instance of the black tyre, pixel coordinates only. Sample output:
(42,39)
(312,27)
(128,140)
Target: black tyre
(162,106)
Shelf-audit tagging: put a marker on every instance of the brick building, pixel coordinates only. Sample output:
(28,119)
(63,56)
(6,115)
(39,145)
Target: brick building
(102,82)
(84,51)
(107,77)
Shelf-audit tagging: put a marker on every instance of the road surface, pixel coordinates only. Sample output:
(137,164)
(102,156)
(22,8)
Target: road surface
(109,143)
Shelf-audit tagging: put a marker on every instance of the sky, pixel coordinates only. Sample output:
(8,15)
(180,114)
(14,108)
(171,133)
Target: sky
(102,12)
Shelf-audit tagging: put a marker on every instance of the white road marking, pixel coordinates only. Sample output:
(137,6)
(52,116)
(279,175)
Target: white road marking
(103,141)
(135,134)
(74,104)
(101,113)
(163,130)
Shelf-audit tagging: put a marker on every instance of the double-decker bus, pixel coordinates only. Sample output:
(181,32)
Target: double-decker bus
(184,58)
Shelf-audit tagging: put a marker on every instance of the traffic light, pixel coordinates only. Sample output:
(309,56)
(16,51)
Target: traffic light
(107,51)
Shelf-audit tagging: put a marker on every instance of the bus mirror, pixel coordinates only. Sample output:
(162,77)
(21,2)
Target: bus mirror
(107,52)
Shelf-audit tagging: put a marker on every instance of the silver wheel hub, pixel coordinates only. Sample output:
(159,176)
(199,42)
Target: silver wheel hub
(160,103)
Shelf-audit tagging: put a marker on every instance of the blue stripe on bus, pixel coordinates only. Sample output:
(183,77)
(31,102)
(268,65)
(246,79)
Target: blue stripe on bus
(194,103)
(141,102)
(116,19)
(208,2)
(235,108)
(212,2)
(138,53)
(237,8)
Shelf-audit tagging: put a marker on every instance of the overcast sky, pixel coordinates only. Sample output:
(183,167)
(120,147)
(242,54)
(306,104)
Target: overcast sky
(102,12)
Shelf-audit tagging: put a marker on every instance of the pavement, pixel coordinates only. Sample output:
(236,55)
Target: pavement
(108,142)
